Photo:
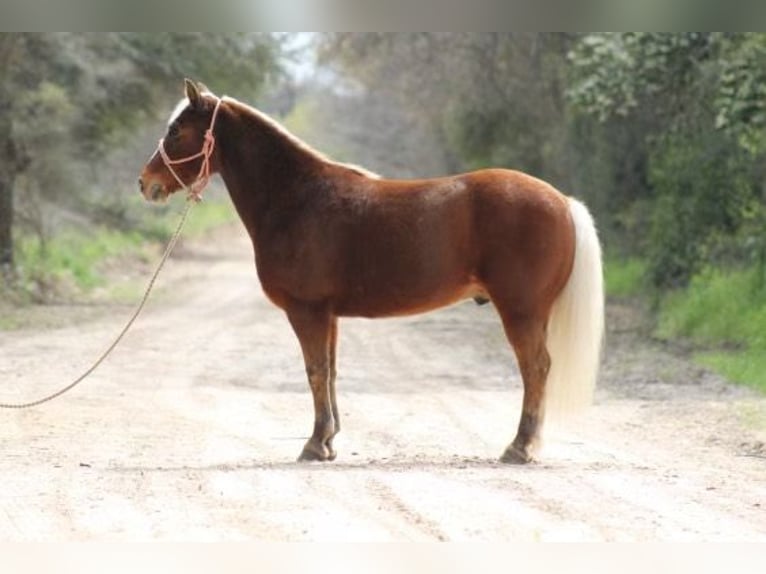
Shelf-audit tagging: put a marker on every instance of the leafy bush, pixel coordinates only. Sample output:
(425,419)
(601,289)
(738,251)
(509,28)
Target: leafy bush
(704,191)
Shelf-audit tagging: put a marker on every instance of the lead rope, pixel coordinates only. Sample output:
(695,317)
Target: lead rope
(171,244)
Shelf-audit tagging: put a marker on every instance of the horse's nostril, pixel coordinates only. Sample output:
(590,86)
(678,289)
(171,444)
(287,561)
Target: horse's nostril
(140,185)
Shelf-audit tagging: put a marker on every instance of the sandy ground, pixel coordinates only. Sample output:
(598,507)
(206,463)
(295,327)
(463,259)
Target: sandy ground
(190,430)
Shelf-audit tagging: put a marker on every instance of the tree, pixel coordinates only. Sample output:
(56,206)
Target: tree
(6,170)
(10,164)
(695,104)
(492,98)
(67,98)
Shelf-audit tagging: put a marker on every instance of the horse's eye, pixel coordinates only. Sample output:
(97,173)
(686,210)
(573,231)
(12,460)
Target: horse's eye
(173,131)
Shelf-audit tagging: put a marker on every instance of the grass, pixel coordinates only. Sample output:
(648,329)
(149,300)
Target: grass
(624,278)
(73,263)
(718,308)
(746,367)
(73,256)
(9,323)
(725,313)
(722,312)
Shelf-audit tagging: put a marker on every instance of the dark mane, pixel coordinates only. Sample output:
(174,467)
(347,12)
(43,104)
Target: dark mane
(275,127)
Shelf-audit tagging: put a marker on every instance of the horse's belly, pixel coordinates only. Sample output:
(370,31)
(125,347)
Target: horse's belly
(392,301)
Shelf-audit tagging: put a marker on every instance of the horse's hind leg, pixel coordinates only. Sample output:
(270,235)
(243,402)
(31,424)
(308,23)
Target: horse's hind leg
(527,335)
(314,330)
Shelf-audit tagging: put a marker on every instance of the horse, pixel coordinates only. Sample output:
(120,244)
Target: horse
(334,240)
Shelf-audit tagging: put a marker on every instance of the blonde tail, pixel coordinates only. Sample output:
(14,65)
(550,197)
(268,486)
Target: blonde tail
(576,324)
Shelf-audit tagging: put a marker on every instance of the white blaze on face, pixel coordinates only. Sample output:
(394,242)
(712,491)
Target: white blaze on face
(182,105)
(178,110)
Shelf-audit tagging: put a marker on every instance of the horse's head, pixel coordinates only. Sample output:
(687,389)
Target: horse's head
(184,156)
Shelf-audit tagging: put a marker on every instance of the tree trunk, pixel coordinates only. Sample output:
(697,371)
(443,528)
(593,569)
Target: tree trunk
(6,221)
(7,176)
(8,156)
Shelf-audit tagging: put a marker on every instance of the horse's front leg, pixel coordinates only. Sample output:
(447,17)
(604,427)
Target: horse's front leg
(333,375)
(314,329)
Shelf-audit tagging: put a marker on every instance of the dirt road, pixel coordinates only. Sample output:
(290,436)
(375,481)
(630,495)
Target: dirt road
(190,430)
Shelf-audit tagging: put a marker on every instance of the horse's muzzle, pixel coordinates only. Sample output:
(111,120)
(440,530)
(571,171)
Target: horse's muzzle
(156,191)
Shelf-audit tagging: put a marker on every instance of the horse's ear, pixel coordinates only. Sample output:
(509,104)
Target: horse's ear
(193,93)
(203,88)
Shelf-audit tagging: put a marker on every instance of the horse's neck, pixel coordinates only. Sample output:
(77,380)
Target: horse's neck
(263,168)
(264,149)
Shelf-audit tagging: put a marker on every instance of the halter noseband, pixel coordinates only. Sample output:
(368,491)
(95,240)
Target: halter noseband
(195,188)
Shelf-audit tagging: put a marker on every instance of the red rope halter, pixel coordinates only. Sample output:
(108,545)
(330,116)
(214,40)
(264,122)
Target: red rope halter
(208,145)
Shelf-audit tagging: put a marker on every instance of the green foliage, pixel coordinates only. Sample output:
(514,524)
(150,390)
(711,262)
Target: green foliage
(725,312)
(477,133)
(718,306)
(746,367)
(139,70)
(695,102)
(703,193)
(619,74)
(741,98)
(70,260)
(603,76)
(74,102)
(44,119)
(77,260)
(248,58)
(625,277)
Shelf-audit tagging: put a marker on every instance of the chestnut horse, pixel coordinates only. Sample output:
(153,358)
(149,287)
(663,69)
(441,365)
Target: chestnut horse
(333,240)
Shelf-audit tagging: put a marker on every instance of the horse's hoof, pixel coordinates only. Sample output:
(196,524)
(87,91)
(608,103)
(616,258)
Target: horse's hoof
(515,455)
(311,454)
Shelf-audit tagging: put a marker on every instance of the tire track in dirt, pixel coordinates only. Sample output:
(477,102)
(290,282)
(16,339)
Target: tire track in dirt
(389,501)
